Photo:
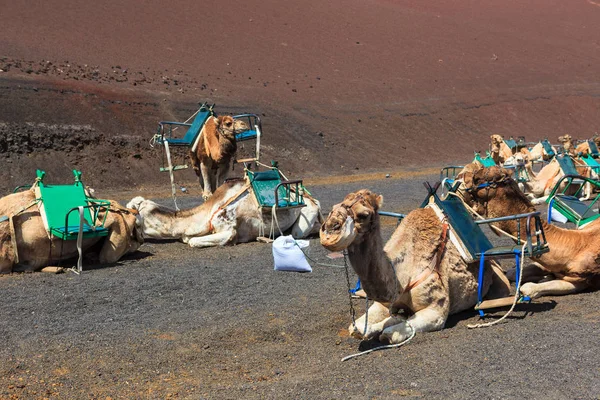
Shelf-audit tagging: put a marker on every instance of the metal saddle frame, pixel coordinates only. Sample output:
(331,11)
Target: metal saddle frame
(570,206)
(475,246)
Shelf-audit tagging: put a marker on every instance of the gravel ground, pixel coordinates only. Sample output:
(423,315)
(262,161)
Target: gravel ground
(176,322)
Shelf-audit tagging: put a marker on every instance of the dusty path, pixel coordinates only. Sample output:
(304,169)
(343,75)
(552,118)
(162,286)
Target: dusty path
(220,323)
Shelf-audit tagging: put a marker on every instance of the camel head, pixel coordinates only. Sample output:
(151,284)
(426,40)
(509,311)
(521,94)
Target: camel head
(350,220)
(483,184)
(566,141)
(229,127)
(596,140)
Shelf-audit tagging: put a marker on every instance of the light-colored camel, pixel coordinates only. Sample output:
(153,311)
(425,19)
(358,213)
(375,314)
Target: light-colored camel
(231,215)
(500,151)
(212,156)
(568,144)
(574,254)
(418,271)
(35,250)
(584,147)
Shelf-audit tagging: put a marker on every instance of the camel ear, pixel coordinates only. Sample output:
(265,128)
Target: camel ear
(379,201)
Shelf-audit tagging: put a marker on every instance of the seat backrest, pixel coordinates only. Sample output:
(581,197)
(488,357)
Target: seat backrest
(593,148)
(196,126)
(58,200)
(511,143)
(566,164)
(464,226)
(548,148)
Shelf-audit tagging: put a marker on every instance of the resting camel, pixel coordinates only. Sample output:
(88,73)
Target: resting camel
(230,216)
(35,250)
(584,148)
(212,155)
(568,144)
(418,270)
(499,150)
(574,254)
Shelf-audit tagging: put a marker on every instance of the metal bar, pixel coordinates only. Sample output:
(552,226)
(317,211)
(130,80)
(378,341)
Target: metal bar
(507,218)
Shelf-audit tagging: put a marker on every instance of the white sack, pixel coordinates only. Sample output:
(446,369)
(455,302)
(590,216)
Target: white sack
(288,256)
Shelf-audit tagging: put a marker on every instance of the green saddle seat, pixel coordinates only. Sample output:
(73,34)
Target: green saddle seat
(191,134)
(487,162)
(56,205)
(566,164)
(268,188)
(548,148)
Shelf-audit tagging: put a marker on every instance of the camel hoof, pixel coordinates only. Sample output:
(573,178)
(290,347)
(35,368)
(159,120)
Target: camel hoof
(529,289)
(395,334)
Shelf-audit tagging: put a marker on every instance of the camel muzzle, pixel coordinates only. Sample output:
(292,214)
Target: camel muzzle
(339,239)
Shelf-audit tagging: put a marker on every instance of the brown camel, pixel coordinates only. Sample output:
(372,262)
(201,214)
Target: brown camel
(211,157)
(26,245)
(568,144)
(417,271)
(574,254)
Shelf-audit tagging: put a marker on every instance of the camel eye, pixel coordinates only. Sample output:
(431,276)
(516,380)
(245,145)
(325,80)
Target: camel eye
(363,215)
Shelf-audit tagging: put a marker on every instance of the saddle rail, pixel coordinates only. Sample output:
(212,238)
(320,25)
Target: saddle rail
(287,199)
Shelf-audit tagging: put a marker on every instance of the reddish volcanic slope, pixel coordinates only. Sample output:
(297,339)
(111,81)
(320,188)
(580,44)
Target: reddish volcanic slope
(385,83)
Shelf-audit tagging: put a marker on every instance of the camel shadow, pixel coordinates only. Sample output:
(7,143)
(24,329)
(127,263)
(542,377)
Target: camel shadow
(496,313)
(491,315)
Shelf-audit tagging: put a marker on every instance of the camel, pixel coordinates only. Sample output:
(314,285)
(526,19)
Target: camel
(232,215)
(211,157)
(573,256)
(568,144)
(26,245)
(417,270)
(499,150)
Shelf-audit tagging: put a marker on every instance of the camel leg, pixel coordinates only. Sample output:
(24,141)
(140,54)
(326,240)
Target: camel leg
(207,188)
(216,239)
(555,287)
(531,273)
(377,313)
(426,320)
(222,173)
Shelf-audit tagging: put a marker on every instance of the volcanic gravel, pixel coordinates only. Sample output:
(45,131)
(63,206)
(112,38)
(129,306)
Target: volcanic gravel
(177,322)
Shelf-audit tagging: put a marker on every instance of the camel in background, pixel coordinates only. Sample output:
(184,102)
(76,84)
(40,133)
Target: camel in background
(211,157)
(232,215)
(573,255)
(28,246)
(500,151)
(418,271)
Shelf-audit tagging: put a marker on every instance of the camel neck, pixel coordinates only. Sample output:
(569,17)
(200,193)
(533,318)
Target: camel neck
(375,271)
(509,202)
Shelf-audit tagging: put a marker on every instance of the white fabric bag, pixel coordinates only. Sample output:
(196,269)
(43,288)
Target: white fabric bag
(557,216)
(288,256)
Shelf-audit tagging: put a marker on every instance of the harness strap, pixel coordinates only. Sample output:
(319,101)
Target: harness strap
(224,205)
(438,260)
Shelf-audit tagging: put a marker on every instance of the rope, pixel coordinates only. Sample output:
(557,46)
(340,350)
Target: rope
(173,190)
(79,243)
(515,300)
(389,346)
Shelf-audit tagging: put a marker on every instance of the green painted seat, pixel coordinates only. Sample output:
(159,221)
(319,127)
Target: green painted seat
(269,189)
(570,206)
(593,149)
(566,164)
(548,148)
(488,161)
(58,205)
(191,134)
(591,162)
(511,143)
